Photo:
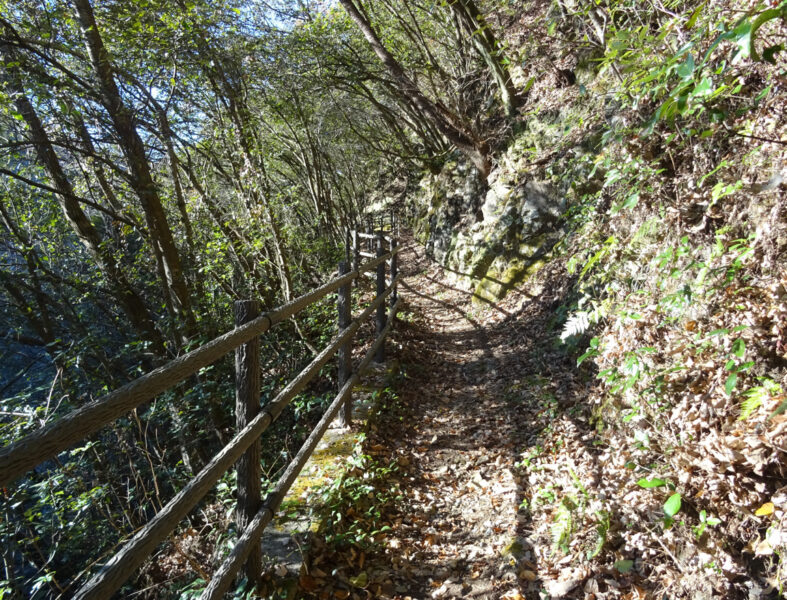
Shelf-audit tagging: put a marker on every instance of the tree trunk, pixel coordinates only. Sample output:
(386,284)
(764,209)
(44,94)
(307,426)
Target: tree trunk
(486,44)
(134,151)
(475,150)
(128,298)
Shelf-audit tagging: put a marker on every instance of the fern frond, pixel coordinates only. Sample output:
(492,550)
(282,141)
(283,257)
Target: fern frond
(753,399)
(602,528)
(562,525)
(577,324)
(757,396)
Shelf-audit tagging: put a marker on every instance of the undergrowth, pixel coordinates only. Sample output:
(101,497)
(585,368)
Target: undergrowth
(350,515)
(676,237)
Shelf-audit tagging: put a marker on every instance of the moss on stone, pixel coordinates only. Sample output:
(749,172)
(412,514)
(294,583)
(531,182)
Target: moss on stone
(494,285)
(326,462)
(482,260)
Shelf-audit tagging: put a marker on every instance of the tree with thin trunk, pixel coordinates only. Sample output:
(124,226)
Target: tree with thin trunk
(134,150)
(487,45)
(446,123)
(128,298)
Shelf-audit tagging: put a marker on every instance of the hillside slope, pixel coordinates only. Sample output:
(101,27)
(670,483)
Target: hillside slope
(642,203)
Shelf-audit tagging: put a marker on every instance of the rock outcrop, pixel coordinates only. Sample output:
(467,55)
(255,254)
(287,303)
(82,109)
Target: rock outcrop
(493,237)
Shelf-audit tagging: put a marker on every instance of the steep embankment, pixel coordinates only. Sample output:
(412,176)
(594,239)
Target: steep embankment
(490,473)
(655,185)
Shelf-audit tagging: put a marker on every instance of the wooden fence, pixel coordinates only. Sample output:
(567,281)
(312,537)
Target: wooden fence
(252,419)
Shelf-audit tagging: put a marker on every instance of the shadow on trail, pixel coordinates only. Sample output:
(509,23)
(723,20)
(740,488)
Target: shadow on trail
(480,387)
(472,411)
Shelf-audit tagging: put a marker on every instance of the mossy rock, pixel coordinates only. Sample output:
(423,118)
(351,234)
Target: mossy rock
(482,260)
(494,286)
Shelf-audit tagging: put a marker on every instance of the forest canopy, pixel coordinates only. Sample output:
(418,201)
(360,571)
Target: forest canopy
(162,159)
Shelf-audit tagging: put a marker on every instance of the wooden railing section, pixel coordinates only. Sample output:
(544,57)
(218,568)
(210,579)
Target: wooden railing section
(252,419)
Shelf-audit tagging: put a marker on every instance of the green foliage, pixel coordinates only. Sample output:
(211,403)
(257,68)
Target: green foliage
(563,524)
(672,505)
(350,508)
(624,566)
(652,483)
(705,522)
(758,395)
(693,79)
(602,529)
(679,312)
(593,350)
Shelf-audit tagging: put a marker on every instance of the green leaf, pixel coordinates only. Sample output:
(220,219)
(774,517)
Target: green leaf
(741,35)
(624,566)
(631,201)
(703,88)
(769,54)
(590,353)
(651,483)
(694,16)
(764,92)
(686,69)
(672,505)
(739,348)
(361,581)
(729,385)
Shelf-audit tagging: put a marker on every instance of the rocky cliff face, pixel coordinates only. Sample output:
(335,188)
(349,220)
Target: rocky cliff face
(492,237)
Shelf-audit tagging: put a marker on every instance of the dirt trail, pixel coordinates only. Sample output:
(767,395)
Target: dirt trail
(463,419)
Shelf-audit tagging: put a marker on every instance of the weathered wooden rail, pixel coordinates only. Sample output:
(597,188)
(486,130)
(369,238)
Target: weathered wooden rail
(252,419)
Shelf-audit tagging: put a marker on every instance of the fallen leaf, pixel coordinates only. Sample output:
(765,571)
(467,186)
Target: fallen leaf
(763,549)
(765,510)
(528,575)
(308,583)
(361,580)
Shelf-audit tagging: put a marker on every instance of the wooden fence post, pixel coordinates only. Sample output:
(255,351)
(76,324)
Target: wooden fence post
(356,252)
(247,406)
(380,356)
(344,355)
(394,270)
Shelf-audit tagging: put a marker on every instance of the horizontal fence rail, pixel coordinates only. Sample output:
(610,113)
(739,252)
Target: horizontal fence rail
(21,456)
(222,579)
(133,554)
(44,444)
